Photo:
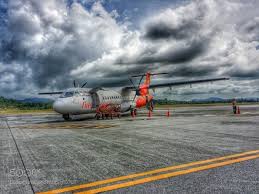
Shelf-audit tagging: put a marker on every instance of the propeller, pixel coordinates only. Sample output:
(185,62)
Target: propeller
(74,83)
(84,85)
(136,88)
(149,104)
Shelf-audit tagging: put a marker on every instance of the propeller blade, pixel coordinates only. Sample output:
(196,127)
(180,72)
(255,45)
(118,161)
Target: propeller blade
(84,85)
(132,83)
(135,88)
(140,80)
(134,97)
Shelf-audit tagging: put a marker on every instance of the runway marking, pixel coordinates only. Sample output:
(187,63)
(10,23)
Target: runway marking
(167,175)
(131,176)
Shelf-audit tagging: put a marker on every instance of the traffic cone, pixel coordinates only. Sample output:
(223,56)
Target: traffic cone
(168,113)
(238,110)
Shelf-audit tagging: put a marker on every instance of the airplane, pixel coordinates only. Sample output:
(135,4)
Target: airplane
(106,102)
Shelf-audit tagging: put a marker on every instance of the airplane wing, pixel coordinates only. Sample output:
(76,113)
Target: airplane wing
(49,93)
(179,83)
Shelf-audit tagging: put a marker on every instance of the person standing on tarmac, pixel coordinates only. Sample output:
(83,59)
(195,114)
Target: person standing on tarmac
(234,105)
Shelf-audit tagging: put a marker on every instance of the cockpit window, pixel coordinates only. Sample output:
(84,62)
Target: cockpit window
(74,93)
(67,94)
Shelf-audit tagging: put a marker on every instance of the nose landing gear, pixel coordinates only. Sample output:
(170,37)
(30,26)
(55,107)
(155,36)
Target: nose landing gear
(66,117)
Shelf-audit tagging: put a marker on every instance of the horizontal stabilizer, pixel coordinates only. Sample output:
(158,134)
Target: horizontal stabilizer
(140,75)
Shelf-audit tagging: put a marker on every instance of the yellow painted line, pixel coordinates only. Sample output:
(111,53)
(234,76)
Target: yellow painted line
(167,175)
(121,178)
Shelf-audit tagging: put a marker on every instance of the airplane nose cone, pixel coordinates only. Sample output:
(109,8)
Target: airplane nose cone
(57,106)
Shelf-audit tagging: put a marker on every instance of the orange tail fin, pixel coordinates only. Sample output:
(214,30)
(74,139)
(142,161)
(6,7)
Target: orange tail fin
(145,86)
(148,76)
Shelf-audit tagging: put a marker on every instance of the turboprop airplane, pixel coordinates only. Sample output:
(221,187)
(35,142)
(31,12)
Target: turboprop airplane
(106,102)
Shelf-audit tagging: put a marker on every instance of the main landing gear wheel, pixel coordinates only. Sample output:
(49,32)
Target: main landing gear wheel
(66,117)
(133,112)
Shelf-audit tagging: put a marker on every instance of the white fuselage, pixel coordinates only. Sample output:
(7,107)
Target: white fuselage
(83,101)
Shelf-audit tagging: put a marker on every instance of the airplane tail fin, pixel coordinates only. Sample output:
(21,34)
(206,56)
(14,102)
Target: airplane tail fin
(148,78)
(143,88)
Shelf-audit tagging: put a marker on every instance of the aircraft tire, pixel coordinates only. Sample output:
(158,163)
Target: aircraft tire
(66,117)
(135,112)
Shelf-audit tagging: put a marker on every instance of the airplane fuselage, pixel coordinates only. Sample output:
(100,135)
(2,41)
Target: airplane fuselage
(83,101)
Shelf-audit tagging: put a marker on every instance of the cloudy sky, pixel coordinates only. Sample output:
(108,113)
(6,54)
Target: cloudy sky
(44,45)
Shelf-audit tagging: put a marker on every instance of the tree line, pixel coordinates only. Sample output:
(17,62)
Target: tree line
(16,104)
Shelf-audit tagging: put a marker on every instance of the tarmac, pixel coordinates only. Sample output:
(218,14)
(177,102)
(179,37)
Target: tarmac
(195,150)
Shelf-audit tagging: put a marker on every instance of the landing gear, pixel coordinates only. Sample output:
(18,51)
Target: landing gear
(66,117)
(133,112)
(97,116)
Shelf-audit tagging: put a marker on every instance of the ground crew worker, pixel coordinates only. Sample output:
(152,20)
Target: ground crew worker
(234,105)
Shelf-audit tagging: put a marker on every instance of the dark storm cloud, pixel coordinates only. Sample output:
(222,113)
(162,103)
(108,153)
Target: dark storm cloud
(183,54)
(133,69)
(51,43)
(160,30)
(194,71)
(251,29)
(12,51)
(251,74)
(52,39)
